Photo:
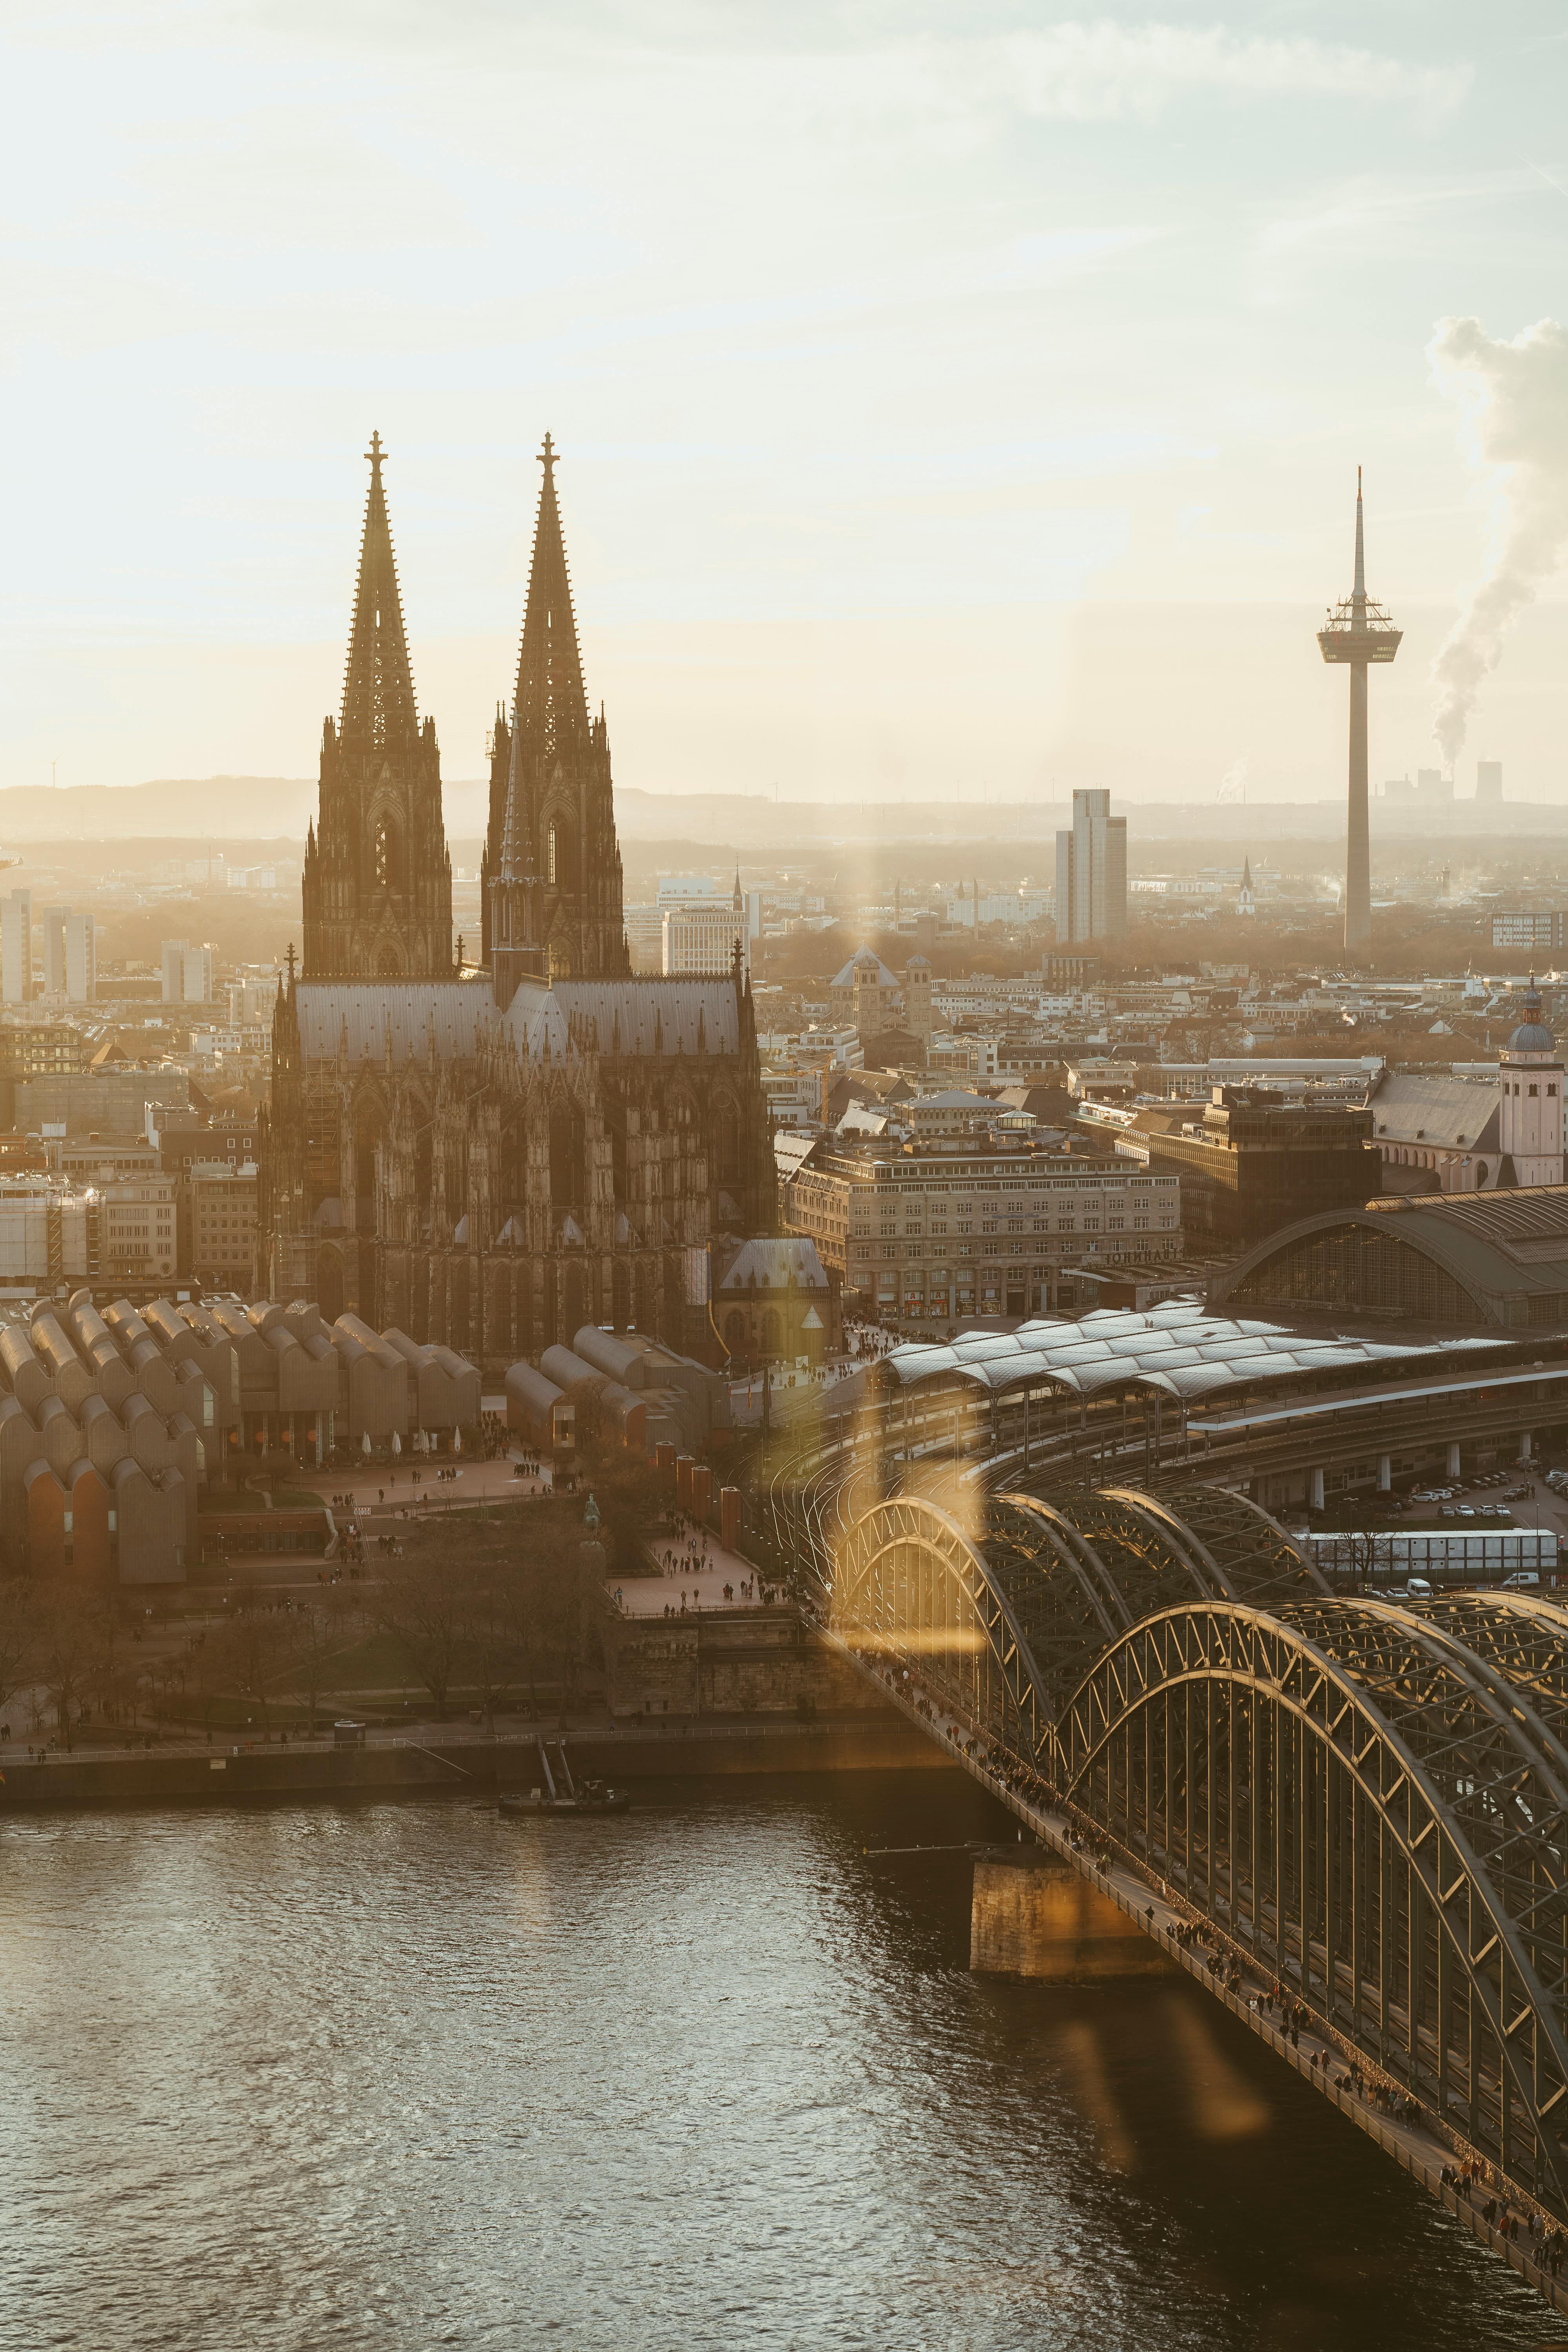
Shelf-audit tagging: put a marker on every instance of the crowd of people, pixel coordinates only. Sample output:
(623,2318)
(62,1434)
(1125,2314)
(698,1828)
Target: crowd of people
(1478,2184)
(747,1590)
(687,1552)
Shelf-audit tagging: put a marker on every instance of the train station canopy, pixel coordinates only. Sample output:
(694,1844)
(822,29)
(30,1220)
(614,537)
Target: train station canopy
(1179,1349)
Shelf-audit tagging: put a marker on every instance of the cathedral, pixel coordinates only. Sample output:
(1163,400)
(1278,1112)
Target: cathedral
(493,1155)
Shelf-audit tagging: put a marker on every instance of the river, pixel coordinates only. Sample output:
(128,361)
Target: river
(704,2076)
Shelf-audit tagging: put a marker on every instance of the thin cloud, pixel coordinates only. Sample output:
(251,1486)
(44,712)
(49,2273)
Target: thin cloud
(1102,72)
(1378,214)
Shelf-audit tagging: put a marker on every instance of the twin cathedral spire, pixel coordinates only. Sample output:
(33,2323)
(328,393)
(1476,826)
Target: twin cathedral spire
(378,875)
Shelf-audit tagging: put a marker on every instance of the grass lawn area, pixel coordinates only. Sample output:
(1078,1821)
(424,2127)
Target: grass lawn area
(284,1498)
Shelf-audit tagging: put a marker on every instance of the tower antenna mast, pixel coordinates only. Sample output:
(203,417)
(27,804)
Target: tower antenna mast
(1356,633)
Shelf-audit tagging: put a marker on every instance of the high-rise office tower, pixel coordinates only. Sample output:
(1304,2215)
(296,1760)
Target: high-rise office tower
(17,947)
(70,955)
(1357,631)
(53,925)
(1091,871)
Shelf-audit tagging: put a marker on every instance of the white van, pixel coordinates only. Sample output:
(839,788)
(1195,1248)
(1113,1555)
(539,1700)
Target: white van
(1524,1579)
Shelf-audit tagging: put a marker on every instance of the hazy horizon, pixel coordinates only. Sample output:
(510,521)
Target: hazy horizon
(953,402)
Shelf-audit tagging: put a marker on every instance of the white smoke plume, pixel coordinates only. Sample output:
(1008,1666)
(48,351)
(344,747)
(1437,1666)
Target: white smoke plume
(1233,784)
(1513,426)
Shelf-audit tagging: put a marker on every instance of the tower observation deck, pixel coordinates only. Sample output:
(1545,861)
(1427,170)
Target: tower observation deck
(1357,631)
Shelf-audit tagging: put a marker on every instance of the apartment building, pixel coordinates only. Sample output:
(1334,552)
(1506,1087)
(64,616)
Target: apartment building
(1542,933)
(187,971)
(704,940)
(50,1233)
(947,1229)
(223,1224)
(136,1219)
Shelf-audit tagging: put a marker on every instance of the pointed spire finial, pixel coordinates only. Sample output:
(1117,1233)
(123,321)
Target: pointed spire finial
(1360,589)
(550,706)
(378,686)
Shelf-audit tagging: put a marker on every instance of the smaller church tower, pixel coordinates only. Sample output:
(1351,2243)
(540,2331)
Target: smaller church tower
(1247,904)
(918,1018)
(1529,1082)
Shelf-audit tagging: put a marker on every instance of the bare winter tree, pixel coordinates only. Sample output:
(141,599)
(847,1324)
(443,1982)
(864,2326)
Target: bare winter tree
(20,1633)
(421,1605)
(314,1637)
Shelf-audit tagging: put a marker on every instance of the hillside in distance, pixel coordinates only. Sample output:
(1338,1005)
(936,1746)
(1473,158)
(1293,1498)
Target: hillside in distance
(279,809)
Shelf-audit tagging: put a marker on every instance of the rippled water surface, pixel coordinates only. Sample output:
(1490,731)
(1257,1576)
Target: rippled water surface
(705,2077)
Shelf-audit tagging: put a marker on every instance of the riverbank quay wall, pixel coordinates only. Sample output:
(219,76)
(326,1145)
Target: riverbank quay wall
(872,1742)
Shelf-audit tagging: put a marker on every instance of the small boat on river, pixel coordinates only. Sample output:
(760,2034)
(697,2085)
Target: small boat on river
(568,1796)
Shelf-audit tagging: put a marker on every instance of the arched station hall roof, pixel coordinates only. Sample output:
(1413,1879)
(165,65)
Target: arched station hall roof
(1179,1348)
(1469,1260)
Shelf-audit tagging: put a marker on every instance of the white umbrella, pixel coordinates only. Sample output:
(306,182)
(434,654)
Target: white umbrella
(364,1443)
(396,1442)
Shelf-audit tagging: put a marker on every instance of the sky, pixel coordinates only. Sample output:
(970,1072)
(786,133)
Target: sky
(955,400)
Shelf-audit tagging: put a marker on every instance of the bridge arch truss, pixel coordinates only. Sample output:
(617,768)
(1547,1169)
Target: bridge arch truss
(1372,1810)
(1369,1800)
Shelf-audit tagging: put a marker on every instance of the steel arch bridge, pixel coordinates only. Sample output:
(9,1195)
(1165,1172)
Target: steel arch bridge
(1368,1800)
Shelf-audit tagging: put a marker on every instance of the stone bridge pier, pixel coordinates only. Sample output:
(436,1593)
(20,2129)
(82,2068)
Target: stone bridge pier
(1034,1916)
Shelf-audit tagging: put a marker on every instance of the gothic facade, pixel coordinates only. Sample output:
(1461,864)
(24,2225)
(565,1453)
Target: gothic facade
(492,1157)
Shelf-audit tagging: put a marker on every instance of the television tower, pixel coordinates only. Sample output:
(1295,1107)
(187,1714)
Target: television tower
(1357,632)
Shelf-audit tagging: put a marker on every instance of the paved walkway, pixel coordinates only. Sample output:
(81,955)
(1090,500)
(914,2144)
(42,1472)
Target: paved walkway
(1322,2058)
(687,1592)
(377,1489)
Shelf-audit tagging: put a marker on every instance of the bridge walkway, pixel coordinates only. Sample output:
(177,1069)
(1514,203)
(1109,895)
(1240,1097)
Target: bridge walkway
(1321,2059)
